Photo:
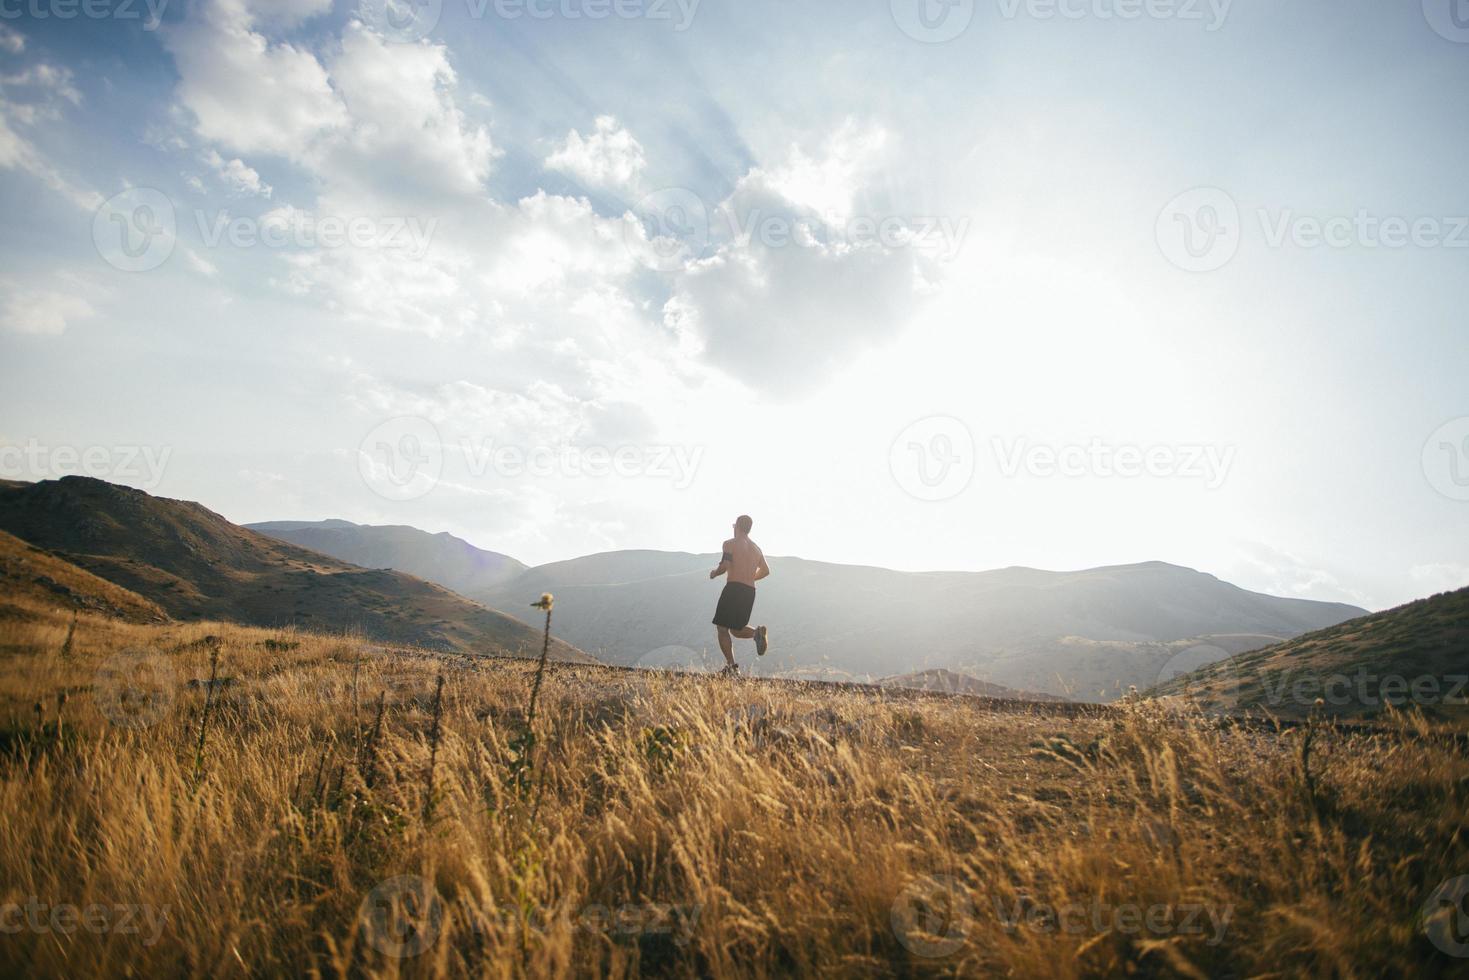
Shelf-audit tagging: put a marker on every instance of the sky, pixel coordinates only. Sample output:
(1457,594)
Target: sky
(926,284)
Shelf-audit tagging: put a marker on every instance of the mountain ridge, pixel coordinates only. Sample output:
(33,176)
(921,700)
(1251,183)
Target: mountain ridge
(197,565)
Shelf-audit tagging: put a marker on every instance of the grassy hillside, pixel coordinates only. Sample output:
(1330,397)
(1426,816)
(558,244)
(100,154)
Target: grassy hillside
(948,682)
(1088,635)
(1412,657)
(33,577)
(678,826)
(451,562)
(196,565)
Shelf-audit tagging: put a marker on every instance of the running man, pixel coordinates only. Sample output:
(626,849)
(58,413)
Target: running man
(745,563)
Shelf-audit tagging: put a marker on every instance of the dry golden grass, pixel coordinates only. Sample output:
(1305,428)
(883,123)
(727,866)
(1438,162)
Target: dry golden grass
(676,826)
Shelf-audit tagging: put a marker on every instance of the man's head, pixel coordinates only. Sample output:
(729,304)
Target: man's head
(743,524)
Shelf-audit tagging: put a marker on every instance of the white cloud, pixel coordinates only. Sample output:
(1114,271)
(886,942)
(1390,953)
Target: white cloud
(238,176)
(11,41)
(828,184)
(47,87)
(406,133)
(41,312)
(780,309)
(247,93)
(609,157)
(200,264)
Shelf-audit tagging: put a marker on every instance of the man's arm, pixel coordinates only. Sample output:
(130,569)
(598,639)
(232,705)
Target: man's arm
(724,560)
(762,569)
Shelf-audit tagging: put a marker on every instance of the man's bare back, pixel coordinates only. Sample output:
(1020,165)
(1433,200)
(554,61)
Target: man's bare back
(746,561)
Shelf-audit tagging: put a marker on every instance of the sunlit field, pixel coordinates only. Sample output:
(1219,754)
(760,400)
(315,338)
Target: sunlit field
(325,810)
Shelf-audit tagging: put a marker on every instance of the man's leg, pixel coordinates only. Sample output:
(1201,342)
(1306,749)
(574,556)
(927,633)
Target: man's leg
(749,633)
(726,646)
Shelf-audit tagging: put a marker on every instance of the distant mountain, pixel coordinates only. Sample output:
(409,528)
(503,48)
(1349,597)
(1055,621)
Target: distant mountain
(197,565)
(1088,635)
(32,577)
(1416,655)
(948,682)
(451,562)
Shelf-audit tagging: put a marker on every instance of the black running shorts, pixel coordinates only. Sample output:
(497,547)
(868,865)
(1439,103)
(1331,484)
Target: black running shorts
(736,603)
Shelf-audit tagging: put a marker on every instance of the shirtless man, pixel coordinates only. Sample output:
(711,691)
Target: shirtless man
(745,563)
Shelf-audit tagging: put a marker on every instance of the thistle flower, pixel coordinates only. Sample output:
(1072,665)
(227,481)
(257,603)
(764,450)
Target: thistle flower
(547,600)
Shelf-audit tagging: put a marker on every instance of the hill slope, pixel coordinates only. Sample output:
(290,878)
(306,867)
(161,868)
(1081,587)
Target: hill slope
(1414,655)
(1088,634)
(38,577)
(451,562)
(197,565)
